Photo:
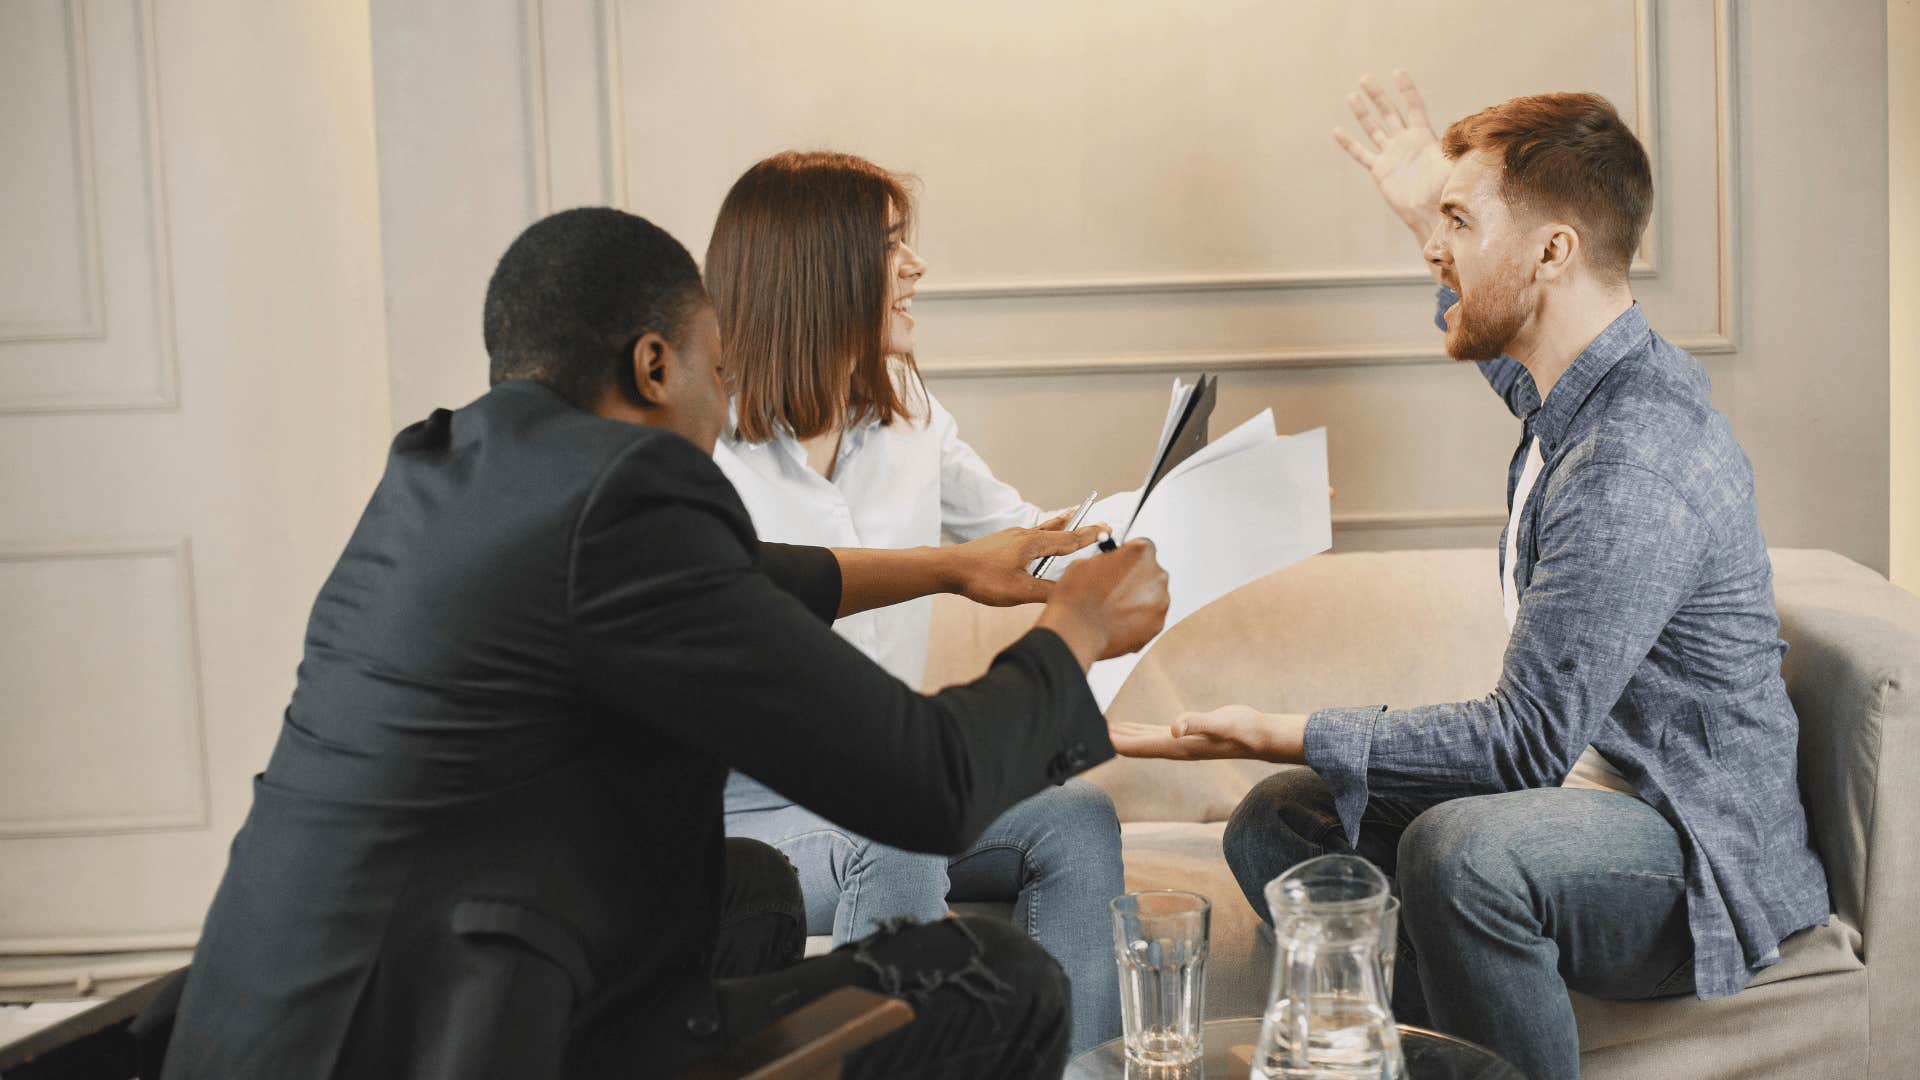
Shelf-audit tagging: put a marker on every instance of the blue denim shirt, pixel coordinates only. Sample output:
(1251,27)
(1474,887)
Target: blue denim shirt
(1646,628)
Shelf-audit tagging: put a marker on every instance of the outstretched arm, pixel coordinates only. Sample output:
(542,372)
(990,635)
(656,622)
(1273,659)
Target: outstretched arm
(991,570)
(1619,552)
(681,638)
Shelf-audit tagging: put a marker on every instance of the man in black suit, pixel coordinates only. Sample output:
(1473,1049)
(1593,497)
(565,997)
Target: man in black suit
(488,842)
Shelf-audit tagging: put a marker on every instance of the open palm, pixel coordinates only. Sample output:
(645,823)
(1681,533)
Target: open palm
(1398,149)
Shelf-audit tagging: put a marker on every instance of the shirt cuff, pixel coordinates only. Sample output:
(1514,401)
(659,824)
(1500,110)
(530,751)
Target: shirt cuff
(1338,744)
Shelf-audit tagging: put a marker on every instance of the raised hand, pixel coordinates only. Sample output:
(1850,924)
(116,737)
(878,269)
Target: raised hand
(1398,149)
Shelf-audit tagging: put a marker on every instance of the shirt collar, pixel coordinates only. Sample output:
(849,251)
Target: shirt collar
(851,440)
(1622,337)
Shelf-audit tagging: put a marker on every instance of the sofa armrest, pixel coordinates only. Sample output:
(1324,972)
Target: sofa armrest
(1853,671)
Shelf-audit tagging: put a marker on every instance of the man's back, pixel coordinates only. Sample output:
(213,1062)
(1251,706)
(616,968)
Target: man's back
(496,794)
(440,776)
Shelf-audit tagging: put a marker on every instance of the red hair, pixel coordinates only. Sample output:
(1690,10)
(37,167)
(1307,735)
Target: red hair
(1568,156)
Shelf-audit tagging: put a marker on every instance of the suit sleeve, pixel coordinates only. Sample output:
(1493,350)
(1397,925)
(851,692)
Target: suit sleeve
(684,638)
(810,574)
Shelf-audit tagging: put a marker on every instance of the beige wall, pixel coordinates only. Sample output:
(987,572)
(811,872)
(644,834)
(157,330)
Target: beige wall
(193,407)
(1903,284)
(1112,194)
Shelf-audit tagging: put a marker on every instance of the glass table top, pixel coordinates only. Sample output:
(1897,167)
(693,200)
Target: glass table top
(1229,1048)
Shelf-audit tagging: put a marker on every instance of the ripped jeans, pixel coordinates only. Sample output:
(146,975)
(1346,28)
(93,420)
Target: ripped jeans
(987,1001)
(1054,855)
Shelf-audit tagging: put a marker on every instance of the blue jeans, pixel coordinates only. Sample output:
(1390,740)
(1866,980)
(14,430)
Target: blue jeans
(1056,856)
(1507,901)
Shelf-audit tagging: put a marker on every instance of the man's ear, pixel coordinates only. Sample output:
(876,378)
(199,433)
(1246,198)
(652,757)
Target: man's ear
(653,361)
(1559,246)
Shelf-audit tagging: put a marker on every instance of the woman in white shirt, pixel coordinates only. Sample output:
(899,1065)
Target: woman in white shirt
(835,441)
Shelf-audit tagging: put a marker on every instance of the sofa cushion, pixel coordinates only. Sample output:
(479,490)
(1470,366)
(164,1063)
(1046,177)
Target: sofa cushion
(1805,1016)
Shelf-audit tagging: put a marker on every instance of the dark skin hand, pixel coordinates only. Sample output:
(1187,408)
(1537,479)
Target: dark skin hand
(1109,605)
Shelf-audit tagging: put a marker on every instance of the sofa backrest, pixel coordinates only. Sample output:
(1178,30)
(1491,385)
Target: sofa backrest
(1853,671)
(1401,628)
(1410,627)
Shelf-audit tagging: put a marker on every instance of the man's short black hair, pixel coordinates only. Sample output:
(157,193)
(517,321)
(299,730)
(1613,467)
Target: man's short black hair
(574,292)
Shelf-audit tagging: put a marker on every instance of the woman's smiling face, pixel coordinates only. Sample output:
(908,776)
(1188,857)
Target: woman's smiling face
(904,268)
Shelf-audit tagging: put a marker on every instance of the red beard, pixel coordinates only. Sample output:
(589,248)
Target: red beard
(1482,329)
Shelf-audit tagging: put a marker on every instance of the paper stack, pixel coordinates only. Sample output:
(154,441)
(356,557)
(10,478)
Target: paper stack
(1219,514)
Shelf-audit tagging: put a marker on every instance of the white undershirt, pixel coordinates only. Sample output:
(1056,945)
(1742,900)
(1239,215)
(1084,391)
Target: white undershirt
(1592,770)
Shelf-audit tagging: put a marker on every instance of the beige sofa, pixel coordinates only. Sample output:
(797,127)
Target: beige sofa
(1419,626)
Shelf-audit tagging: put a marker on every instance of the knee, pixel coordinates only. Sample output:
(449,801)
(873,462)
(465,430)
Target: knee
(1453,856)
(1082,820)
(1024,968)
(1088,808)
(910,873)
(1274,827)
(760,880)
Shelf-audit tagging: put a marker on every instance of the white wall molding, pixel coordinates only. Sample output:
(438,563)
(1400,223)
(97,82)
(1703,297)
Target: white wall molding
(613,151)
(1646,125)
(1721,340)
(74,945)
(166,381)
(1300,358)
(540,149)
(537,38)
(1726,335)
(92,323)
(1375,520)
(614,148)
(179,551)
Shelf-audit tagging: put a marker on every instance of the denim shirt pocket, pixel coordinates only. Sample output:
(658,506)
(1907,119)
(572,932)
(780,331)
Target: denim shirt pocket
(1687,733)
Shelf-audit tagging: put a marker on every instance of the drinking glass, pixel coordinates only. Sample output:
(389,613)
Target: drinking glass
(1160,945)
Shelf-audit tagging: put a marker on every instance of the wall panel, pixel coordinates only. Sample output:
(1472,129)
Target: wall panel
(111,346)
(50,278)
(100,727)
(1114,192)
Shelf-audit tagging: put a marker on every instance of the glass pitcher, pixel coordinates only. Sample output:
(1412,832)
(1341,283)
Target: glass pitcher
(1327,1013)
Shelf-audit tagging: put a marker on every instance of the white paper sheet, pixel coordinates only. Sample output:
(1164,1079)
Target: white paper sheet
(1255,431)
(1257,506)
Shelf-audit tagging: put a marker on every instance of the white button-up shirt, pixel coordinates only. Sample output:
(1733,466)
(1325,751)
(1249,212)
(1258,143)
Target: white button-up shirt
(894,486)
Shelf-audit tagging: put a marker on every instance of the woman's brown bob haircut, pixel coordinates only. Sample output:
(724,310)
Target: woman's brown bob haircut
(1568,156)
(798,273)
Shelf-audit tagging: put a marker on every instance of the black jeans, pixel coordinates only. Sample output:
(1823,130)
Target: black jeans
(987,1001)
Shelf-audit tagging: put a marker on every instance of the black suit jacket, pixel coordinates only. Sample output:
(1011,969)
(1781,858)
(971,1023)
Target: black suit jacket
(496,792)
